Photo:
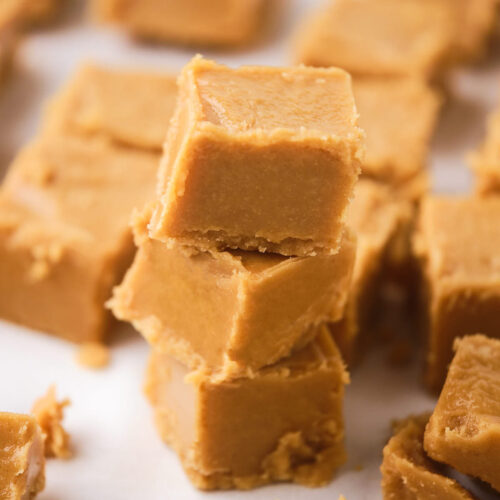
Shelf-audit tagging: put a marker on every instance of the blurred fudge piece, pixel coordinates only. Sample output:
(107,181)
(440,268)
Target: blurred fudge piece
(22,463)
(408,473)
(10,14)
(230,313)
(259,158)
(38,12)
(457,244)
(283,424)
(464,430)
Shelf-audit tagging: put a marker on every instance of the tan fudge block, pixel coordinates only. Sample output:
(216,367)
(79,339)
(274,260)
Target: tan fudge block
(131,108)
(284,424)
(457,244)
(268,163)
(230,313)
(464,430)
(407,472)
(396,154)
(22,463)
(377,218)
(64,220)
(217,22)
(382,38)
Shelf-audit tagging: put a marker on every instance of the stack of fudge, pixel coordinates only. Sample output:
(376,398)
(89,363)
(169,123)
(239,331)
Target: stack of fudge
(243,258)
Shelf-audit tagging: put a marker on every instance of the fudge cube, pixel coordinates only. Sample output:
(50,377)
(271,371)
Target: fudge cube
(259,158)
(464,430)
(283,424)
(22,462)
(97,101)
(457,245)
(408,473)
(229,313)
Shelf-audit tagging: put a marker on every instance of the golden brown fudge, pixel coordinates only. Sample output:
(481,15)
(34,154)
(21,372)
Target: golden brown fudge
(64,220)
(22,464)
(395,154)
(376,216)
(230,313)
(37,12)
(192,22)
(132,108)
(407,472)
(382,38)
(10,14)
(464,430)
(284,424)
(457,244)
(267,163)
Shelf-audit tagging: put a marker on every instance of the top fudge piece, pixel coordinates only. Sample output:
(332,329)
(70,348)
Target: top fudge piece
(131,108)
(464,430)
(259,158)
(457,243)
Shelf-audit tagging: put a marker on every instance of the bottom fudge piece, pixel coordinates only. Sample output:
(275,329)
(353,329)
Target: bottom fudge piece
(284,424)
(464,430)
(22,463)
(408,474)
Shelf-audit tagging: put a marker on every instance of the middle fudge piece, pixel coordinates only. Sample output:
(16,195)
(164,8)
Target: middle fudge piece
(259,158)
(230,313)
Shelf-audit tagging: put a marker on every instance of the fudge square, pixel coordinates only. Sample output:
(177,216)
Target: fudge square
(283,424)
(65,239)
(259,158)
(464,430)
(132,108)
(457,244)
(408,473)
(22,462)
(229,313)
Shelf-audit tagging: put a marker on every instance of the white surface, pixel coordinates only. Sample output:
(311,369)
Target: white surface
(118,455)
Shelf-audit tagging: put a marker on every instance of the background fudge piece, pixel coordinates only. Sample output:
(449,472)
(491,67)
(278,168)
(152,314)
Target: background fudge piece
(22,463)
(382,38)
(65,238)
(97,101)
(457,245)
(407,472)
(230,313)
(284,424)
(39,12)
(266,162)
(464,430)
(377,217)
(10,15)
(397,146)
(217,22)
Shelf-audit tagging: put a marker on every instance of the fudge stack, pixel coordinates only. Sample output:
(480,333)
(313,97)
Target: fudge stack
(243,257)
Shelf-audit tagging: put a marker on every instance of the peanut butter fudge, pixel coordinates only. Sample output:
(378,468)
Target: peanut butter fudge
(268,162)
(22,464)
(230,313)
(457,244)
(408,473)
(131,108)
(284,424)
(197,22)
(464,430)
(64,220)
(382,38)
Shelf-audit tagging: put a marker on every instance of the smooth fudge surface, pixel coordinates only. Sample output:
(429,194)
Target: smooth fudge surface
(22,462)
(259,158)
(64,220)
(131,108)
(456,242)
(283,424)
(230,313)
(409,474)
(464,430)
(382,38)
(217,22)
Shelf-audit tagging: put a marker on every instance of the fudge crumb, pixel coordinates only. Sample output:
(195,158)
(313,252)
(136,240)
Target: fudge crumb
(49,414)
(400,353)
(93,355)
